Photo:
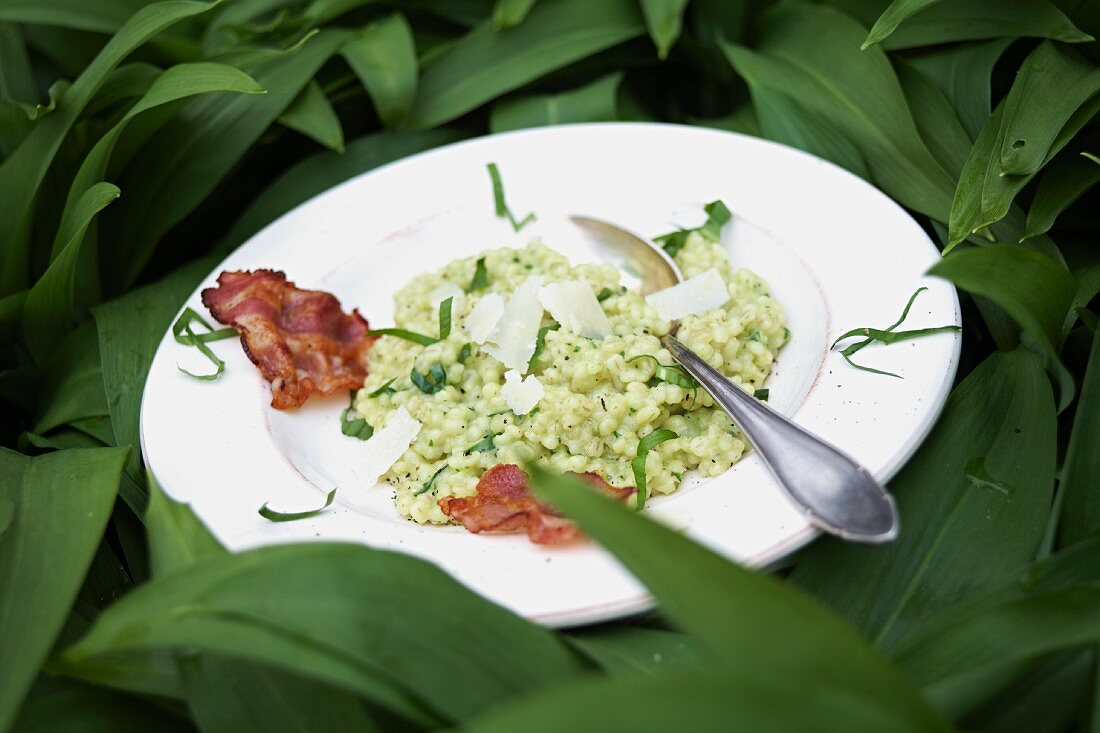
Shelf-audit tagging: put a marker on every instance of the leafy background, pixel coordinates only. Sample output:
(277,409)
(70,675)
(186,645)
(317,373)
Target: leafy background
(142,141)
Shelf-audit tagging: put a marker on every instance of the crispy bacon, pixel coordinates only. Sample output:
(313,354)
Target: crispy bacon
(301,340)
(503,504)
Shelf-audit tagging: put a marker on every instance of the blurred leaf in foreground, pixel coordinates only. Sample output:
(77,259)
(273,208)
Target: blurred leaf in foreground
(736,616)
(53,510)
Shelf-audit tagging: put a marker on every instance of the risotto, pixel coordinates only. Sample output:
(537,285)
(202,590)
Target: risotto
(598,400)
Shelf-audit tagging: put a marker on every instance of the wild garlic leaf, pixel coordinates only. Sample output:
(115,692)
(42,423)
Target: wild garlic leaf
(501,206)
(637,464)
(276,516)
(431,381)
(485,64)
(718,215)
(886,336)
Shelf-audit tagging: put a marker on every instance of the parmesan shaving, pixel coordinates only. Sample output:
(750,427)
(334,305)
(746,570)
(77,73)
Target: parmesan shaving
(484,317)
(387,445)
(521,394)
(512,342)
(573,304)
(699,294)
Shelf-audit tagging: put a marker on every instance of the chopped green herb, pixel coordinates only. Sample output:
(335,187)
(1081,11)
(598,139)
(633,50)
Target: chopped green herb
(485,444)
(540,343)
(501,205)
(717,217)
(184,334)
(464,352)
(430,482)
(430,381)
(354,425)
(604,294)
(416,338)
(755,335)
(274,516)
(384,389)
(445,317)
(480,280)
(419,338)
(533,412)
(887,336)
(645,445)
(671,373)
(498,412)
(762,394)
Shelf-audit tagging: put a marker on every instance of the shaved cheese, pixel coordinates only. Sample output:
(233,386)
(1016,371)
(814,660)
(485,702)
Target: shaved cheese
(573,304)
(484,317)
(512,342)
(701,293)
(444,291)
(521,394)
(387,445)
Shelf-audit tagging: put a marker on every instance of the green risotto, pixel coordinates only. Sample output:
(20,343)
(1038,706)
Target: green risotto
(599,400)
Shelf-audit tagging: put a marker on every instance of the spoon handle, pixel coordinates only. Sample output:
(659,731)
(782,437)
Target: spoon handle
(836,494)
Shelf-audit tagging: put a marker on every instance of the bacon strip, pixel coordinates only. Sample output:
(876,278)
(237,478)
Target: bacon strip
(301,340)
(503,504)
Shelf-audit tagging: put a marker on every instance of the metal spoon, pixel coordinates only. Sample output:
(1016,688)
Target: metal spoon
(836,494)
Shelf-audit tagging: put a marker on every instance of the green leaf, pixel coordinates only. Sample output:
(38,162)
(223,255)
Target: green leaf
(622,649)
(353,425)
(130,329)
(965,642)
(784,120)
(195,150)
(892,17)
(312,115)
(936,119)
(1081,469)
(984,196)
(1035,290)
(736,615)
(480,280)
(22,173)
(637,465)
(1052,84)
(402,333)
(971,20)
(276,516)
(101,16)
(486,64)
(593,102)
(59,705)
(177,538)
(48,311)
(72,382)
(704,702)
(383,56)
(860,97)
(16,77)
(509,13)
(958,538)
(61,504)
(664,19)
(384,625)
(229,696)
(1066,179)
(962,73)
(324,170)
(502,212)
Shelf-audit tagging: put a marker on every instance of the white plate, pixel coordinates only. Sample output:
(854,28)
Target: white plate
(836,252)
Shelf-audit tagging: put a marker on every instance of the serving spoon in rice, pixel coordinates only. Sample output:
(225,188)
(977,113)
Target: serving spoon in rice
(834,492)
